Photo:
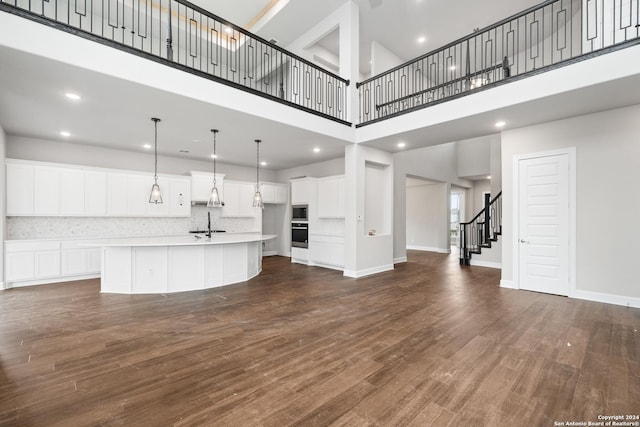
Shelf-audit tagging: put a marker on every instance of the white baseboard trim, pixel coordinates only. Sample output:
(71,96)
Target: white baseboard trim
(51,280)
(2,288)
(270,253)
(368,271)
(429,249)
(329,266)
(508,284)
(400,260)
(299,261)
(490,264)
(607,298)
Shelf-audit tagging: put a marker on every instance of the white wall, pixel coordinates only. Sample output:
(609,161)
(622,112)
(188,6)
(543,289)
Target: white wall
(607,152)
(315,170)
(19,147)
(382,59)
(474,157)
(3,210)
(437,163)
(427,217)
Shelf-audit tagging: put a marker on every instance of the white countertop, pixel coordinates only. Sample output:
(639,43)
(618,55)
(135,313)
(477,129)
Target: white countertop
(183,240)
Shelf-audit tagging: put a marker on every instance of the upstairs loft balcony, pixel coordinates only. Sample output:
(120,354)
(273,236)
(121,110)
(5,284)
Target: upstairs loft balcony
(185,36)
(176,33)
(550,35)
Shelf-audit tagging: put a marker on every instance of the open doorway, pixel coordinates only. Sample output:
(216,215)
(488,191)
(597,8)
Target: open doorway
(457,214)
(427,215)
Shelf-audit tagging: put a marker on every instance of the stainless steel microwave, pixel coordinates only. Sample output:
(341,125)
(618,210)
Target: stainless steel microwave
(300,213)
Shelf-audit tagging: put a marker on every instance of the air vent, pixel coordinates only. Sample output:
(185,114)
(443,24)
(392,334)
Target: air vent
(273,41)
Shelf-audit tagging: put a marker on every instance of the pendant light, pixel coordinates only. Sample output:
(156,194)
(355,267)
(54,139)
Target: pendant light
(214,198)
(257,198)
(155,196)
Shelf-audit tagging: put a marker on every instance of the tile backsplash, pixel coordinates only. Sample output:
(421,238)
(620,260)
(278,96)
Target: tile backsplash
(30,227)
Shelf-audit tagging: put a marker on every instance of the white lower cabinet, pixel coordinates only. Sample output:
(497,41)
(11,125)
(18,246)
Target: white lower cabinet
(326,251)
(36,262)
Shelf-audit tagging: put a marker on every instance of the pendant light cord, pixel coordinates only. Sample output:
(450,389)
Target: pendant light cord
(257,164)
(215,131)
(155,150)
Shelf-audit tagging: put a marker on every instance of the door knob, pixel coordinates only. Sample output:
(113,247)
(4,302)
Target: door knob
(524,241)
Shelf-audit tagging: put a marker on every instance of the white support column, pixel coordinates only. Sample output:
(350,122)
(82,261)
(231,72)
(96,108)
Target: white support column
(368,211)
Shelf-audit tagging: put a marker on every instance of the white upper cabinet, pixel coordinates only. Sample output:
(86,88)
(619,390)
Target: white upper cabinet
(331,197)
(46,196)
(72,192)
(303,191)
(274,193)
(179,197)
(238,202)
(19,189)
(95,193)
(201,185)
(116,194)
(46,189)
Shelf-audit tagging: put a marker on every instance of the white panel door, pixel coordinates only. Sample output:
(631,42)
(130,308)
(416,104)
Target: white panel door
(543,239)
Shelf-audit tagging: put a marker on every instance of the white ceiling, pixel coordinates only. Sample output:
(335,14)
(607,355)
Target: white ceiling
(116,113)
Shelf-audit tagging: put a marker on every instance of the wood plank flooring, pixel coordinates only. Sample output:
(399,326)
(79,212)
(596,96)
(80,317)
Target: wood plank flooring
(428,344)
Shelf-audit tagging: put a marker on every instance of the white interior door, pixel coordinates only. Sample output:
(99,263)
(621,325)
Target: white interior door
(543,239)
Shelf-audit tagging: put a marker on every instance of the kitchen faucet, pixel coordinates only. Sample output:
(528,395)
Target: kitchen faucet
(209,224)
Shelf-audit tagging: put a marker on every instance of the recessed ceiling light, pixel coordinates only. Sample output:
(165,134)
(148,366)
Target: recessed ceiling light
(65,134)
(422,39)
(228,30)
(214,156)
(316,150)
(263,163)
(147,146)
(72,96)
(196,140)
(500,124)
(489,177)
(183,151)
(401,144)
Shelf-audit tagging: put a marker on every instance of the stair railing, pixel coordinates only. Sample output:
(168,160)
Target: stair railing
(483,229)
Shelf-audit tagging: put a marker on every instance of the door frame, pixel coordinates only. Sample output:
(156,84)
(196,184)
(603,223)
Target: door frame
(571,153)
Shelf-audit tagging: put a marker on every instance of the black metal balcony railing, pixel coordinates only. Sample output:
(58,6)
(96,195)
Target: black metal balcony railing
(182,35)
(547,35)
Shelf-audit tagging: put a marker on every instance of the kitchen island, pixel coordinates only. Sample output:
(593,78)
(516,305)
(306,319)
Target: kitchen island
(165,264)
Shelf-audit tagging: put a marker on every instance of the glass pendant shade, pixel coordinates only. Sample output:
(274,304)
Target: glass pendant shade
(156,195)
(257,198)
(214,197)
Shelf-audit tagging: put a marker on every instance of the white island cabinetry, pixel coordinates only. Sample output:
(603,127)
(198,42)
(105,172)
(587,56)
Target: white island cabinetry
(166,264)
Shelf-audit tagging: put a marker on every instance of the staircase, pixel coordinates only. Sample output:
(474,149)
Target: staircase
(482,230)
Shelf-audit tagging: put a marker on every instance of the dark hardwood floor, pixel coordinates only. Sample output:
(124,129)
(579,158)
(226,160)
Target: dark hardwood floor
(429,343)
